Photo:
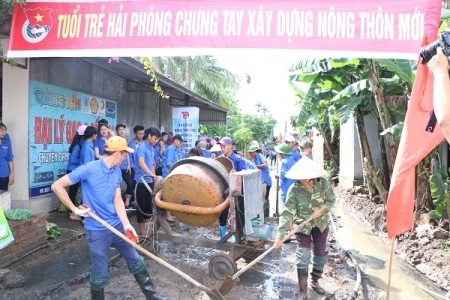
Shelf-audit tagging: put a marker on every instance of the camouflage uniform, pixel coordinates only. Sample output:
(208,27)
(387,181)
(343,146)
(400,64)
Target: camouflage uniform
(299,206)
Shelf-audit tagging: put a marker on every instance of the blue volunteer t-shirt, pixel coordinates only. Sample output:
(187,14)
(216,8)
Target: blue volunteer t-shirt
(206,153)
(98,187)
(5,157)
(133,158)
(295,154)
(286,165)
(100,144)
(241,163)
(265,175)
(148,153)
(87,152)
(74,158)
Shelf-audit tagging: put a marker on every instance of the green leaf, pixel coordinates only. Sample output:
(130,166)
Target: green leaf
(437,187)
(438,201)
(353,88)
(341,62)
(348,109)
(445,14)
(432,214)
(395,130)
(400,67)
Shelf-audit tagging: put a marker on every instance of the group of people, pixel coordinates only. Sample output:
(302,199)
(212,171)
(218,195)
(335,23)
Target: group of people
(103,163)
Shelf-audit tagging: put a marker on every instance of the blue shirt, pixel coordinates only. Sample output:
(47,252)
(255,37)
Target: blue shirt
(123,164)
(171,156)
(74,158)
(265,174)
(5,157)
(87,152)
(206,153)
(148,153)
(241,163)
(158,158)
(133,158)
(100,144)
(286,164)
(98,187)
(295,154)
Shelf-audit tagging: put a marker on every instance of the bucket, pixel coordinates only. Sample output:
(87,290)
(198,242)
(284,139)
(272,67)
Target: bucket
(264,230)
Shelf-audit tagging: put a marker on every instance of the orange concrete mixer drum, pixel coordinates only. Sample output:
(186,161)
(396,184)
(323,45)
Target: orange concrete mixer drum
(195,191)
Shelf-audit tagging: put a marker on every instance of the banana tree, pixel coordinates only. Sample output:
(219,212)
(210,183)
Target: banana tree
(440,192)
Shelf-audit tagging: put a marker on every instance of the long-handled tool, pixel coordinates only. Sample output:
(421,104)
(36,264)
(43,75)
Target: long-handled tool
(213,294)
(277,198)
(229,282)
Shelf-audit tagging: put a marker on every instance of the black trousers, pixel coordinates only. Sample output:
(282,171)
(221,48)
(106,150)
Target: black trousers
(126,176)
(144,201)
(4,182)
(73,190)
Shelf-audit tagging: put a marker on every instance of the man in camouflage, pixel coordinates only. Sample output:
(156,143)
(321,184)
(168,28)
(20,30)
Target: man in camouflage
(310,192)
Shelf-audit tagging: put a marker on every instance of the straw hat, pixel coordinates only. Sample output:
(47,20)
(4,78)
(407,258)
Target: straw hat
(305,168)
(215,148)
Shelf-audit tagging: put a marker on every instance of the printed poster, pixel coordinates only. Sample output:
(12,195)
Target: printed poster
(6,236)
(186,123)
(54,116)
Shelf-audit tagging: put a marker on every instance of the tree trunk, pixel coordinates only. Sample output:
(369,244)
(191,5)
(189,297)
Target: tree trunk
(328,149)
(385,120)
(385,178)
(188,72)
(365,150)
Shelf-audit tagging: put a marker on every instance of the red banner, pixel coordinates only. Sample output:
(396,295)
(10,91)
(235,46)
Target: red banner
(356,28)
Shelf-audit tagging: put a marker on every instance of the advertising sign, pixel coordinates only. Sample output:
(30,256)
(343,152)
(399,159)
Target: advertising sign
(347,28)
(6,236)
(54,116)
(185,123)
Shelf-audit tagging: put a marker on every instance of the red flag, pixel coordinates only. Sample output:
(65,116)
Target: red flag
(415,144)
(280,138)
(39,16)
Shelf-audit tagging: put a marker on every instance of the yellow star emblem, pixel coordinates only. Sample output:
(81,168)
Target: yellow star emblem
(38,17)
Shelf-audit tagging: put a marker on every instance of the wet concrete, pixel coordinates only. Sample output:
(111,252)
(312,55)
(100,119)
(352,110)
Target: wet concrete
(372,256)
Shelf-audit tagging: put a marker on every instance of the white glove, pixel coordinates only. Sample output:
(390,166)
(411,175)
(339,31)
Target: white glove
(82,212)
(128,227)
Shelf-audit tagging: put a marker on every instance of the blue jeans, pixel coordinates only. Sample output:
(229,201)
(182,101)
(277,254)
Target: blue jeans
(99,241)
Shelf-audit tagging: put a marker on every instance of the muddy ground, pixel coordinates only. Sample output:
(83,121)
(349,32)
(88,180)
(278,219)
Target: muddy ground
(274,278)
(426,248)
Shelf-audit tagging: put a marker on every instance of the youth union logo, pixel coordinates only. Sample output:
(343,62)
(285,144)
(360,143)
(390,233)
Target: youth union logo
(38,24)
(185,114)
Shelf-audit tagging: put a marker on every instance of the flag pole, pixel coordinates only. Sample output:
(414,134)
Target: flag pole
(391,256)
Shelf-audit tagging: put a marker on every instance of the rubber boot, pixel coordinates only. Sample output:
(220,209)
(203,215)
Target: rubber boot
(315,276)
(98,295)
(266,208)
(303,283)
(146,285)
(223,231)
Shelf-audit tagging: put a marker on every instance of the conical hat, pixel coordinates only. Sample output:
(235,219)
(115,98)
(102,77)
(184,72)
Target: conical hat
(215,148)
(305,168)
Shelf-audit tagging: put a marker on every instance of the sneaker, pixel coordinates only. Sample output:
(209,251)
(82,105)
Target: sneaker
(130,208)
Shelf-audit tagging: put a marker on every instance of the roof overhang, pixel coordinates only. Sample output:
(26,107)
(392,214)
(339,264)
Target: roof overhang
(210,113)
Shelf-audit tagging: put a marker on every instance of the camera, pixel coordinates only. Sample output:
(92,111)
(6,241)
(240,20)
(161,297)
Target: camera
(429,51)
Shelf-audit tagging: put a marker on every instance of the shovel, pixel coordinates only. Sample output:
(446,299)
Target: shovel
(229,282)
(213,294)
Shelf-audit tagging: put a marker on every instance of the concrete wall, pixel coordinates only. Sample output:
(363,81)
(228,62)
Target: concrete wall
(15,117)
(350,165)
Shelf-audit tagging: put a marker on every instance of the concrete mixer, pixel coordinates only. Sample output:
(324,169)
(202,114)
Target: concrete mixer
(196,191)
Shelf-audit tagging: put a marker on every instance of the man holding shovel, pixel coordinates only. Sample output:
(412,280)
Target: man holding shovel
(100,181)
(310,195)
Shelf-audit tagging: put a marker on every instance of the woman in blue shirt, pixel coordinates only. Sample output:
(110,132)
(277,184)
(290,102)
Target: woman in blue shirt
(99,142)
(74,162)
(6,160)
(87,147)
